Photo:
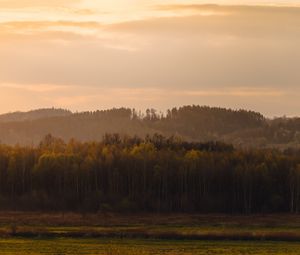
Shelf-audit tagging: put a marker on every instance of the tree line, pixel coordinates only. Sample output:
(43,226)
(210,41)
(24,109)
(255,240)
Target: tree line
(154,174)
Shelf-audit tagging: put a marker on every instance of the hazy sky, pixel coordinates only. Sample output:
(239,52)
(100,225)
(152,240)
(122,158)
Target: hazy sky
(97,54)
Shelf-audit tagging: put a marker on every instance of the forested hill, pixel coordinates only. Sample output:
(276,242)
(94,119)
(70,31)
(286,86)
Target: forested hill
(33,115)
(191,123)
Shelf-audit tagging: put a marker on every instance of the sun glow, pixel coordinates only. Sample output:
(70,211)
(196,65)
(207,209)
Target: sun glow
(87,54)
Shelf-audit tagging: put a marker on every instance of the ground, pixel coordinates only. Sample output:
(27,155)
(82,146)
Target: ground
(90,246)
(176,234)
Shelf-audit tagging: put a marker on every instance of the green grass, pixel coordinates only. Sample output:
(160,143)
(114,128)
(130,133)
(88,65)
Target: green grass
(142,247)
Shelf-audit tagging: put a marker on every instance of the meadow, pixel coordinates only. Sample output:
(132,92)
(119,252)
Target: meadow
(143,234)
(281,227)
(84,246)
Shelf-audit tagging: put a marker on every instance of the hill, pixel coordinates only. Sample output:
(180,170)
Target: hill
(192,123)
(33,115)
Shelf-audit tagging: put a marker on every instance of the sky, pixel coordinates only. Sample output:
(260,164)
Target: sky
(99,54)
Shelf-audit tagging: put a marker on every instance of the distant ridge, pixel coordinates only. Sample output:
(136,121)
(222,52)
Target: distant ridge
(241,128)
(34,114)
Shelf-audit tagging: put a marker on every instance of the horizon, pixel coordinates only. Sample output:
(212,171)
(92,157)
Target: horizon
(88,55)
(142,111)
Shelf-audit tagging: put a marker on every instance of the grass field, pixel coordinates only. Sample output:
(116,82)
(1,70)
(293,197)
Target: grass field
(116,234)
(163,227)
(83,246)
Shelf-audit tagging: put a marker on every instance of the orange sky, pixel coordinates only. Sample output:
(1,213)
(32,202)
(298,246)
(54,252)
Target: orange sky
(87,55)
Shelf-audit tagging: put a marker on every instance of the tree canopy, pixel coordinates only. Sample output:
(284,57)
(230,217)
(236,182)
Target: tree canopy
(151,174)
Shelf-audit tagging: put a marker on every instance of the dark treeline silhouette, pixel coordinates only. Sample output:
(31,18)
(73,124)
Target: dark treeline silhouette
(154,174)
(192,123)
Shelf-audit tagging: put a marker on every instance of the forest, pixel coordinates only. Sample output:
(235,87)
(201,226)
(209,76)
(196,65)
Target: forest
(151,174)
(243,129)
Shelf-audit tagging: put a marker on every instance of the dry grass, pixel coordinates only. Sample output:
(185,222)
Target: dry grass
(84,246)
(111,219)
(147,226)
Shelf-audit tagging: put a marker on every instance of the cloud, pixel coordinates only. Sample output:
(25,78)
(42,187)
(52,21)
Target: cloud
(34,87)
(49,31)
(241,56)
(228,8)
(253,22)
(205,9)
(84,12)
(13,4)
(192,51)
(17,25)
(239,21)
(235,92)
